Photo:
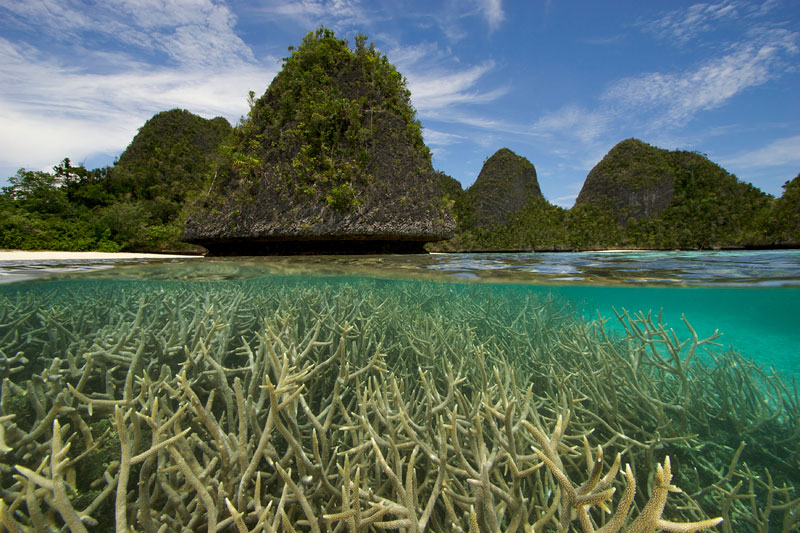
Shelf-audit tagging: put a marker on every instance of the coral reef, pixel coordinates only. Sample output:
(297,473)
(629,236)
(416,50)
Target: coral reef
(286,404)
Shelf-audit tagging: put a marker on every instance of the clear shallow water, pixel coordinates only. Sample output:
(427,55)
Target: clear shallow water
(761,323)
(751,297)
(87,323)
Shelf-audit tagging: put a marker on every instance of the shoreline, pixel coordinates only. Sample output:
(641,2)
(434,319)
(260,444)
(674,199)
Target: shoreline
(58,255)
(54,255)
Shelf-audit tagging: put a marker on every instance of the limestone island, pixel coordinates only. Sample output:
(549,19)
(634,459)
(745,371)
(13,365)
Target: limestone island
(329,160)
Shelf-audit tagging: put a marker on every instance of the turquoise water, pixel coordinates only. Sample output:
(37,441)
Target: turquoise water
(751,297)
(761,323)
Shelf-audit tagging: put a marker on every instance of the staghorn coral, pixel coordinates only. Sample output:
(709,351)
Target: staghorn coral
(275,405)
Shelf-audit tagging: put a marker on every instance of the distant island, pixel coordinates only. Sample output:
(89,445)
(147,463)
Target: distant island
(637,197)
(330,159)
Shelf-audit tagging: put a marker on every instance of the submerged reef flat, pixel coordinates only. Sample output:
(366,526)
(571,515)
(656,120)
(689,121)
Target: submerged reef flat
(288,404)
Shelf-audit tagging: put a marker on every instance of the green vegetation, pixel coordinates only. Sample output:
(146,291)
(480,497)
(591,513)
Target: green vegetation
(330,153)
(710,208)
(57,211)
(316,125)
(138,203)
(635,180)
(141,202)
(334,136)
(506,183)
(639,197)
(784,222)
(635,164)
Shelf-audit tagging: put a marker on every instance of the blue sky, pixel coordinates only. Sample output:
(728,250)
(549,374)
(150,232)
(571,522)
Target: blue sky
(559,82)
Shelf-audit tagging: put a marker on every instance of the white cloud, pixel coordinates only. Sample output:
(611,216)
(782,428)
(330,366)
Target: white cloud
(334,14)
(565,201)
(441,85)
(121,61)
(780,152)
(673,98)
(75,115)
(408,57)
(38,141)
(604,41)
(492,12)
(574,121)
(91,99)
(435,89)
(440,138)
(190,32)
(492,126)
(436,86)
(683,25)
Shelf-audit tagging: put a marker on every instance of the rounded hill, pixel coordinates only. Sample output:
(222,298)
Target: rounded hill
(634,180)
(506,184)
(173,152)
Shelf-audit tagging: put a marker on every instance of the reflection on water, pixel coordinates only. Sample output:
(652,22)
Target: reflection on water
(779,268)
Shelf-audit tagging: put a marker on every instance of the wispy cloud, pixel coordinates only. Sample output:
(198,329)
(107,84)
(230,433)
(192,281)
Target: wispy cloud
(435,89)
(59,111)
(42,85)
(565,201)
(438,82)
(188,32)
(574,121)
(335,14)
(490,126)
(436,138)
(440,142)
(493,12)
(683,25)
(604,41)
(674,98)
(780,152)
(453,18)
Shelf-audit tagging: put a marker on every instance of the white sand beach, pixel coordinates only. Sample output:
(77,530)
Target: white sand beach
(24,255)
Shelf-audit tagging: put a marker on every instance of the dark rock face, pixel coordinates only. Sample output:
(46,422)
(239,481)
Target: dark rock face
(331,160)
(634,179)
(506,184)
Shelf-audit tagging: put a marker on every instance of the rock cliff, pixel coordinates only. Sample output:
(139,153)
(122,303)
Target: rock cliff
(329,160)
(506,184)
(634,180)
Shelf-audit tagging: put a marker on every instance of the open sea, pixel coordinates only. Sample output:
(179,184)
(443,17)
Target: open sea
(229,393)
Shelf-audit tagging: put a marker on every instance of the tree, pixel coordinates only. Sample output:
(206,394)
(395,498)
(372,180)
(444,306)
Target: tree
(785,215)
(37,191)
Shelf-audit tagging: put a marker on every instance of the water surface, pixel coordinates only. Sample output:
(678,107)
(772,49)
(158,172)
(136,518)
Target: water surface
(751,297)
